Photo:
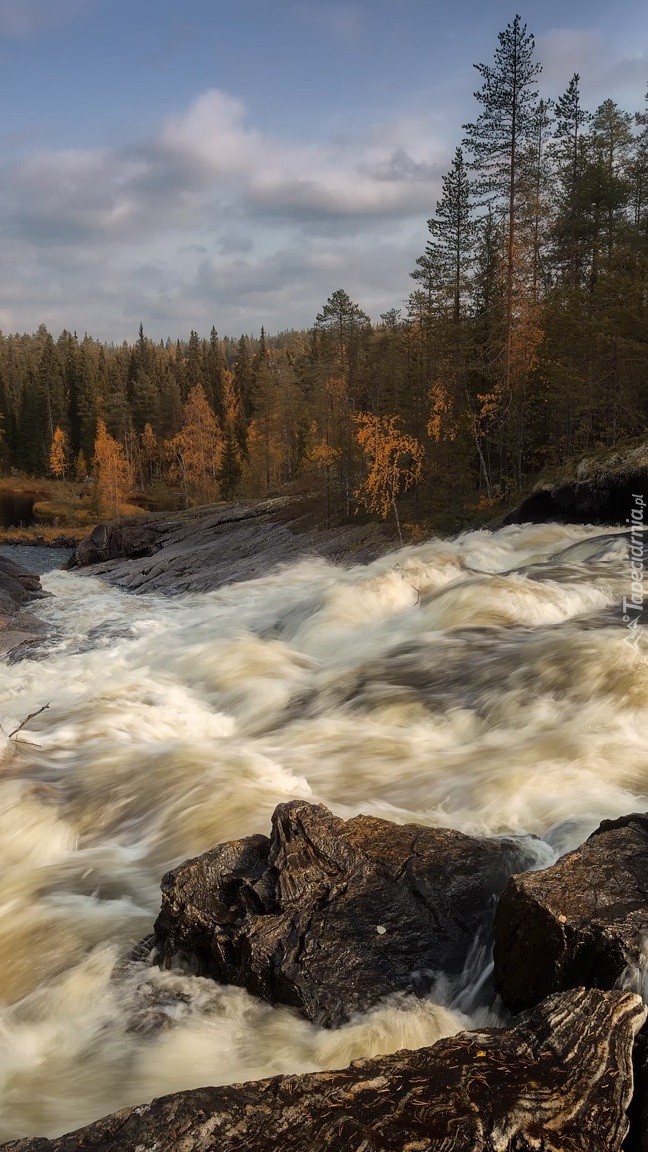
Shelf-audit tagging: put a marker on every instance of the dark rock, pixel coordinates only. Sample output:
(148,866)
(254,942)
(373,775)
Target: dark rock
(594,490)
(116,540)
(582,921)
(559,1080)
(18,588)
(386,905)
(203,548)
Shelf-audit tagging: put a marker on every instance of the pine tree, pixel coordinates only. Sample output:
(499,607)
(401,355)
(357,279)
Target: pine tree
(497,141)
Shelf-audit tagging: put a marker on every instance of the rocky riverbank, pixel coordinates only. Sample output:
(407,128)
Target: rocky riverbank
(592,490)
(203,548)
(328,916)
(18,589)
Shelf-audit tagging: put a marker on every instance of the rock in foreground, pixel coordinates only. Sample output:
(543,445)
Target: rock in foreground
(560,1080)
(329,916)
(582,921)
(18,588)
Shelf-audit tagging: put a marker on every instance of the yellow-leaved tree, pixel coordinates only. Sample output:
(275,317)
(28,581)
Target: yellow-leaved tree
(58,454)
(114,476)
(196,451)
(394,462)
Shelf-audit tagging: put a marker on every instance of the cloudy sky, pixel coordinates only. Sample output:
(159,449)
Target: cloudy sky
(232,162)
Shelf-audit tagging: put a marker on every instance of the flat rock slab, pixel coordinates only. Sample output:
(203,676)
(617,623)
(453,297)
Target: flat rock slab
(582,921)
(330,916)
(201,549)
(560,1080)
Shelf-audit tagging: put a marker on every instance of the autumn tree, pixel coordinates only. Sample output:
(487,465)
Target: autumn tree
(195,452)
(58,454)
(394,461)
(114,476)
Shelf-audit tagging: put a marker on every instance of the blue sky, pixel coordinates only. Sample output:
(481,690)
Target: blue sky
(233,162)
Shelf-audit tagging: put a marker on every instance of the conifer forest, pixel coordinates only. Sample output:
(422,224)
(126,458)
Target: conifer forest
(523,342)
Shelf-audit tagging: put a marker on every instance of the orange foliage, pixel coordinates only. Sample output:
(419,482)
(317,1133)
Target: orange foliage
(395,462)
(195,452)
(113,473)
(58,454)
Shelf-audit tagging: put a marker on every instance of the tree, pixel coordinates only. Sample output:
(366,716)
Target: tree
(80,466)
(113,474)
(452,231)
(58,454)
(195,453)
(395,463)
(230,468)
(497,141)
(568,151)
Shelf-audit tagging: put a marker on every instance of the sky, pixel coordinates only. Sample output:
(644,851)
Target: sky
(189,163)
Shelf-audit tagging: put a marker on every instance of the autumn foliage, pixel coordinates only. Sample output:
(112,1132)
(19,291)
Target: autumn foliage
(394,459)
(114,475)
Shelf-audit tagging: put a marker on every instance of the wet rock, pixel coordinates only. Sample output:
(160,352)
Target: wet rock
(581,922)
(18,588)
(559,1080)
(329,916)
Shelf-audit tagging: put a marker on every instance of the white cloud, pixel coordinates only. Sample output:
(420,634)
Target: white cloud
(213,213)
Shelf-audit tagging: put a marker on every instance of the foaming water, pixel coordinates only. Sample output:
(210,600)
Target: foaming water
(483,684)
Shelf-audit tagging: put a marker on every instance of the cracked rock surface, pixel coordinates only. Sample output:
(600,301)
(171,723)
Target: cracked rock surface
(328,915)
(582,921)
(559,1080)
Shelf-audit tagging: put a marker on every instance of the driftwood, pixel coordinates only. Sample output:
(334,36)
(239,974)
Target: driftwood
(560,1080)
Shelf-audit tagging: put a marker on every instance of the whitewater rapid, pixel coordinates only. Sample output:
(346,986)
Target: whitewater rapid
(484,684)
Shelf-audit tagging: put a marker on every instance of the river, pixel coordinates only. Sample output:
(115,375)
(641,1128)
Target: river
(485,684)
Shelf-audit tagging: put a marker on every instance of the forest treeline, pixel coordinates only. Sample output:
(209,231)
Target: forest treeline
(523,342)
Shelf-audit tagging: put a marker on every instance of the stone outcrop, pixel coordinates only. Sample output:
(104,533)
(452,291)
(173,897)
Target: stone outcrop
(388,906)
(115,540)
(203,548)
(18,589)
(560,1080)
(595,490)
(581,922)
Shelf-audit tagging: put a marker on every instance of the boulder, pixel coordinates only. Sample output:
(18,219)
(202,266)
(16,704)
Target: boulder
(581,922)
(388,906)
(559,1080)
(115,540)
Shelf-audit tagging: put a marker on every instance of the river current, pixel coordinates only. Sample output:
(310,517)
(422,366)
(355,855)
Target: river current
(488,684)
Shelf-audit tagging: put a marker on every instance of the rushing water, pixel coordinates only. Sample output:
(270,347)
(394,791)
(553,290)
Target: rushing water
(483,684)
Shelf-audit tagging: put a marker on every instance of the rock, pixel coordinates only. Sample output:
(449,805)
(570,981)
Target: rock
(559,1080)
(18,588)
(201,549)
(593,490)
(115,540)
(285,916)
(582,921)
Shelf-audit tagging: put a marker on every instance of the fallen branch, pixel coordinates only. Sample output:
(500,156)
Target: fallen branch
(26,721)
